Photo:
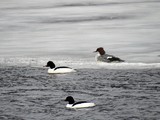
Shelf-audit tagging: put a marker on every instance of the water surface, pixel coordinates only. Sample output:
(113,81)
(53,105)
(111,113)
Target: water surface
(67,32)
(129,29)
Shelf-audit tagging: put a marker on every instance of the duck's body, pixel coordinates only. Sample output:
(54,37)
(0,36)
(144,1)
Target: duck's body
(80,105)
(76,105)
(62,69)
(103,57)
(108,58)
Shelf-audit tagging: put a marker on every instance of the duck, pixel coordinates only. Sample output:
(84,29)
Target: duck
(76,105)
(61,69)
(103,57)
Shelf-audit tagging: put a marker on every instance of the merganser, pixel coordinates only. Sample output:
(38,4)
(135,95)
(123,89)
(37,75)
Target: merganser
(103,57)
(76,105)
(61,69)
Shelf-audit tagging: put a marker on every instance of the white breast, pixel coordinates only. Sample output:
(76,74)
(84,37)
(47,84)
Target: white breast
(61,70)
(81,105)
(96,57)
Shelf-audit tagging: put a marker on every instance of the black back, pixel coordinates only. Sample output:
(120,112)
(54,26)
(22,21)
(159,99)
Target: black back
(61,67)
(79,102)
(112,59)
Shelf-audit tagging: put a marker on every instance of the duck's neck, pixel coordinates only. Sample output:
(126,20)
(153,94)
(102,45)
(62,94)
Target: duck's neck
(71,101)
(52,67)
(102,52)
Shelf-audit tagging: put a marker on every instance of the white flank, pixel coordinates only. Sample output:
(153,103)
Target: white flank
(61,70)
(82,105)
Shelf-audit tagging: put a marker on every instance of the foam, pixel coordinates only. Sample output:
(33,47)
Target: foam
(74,63)
(126,65)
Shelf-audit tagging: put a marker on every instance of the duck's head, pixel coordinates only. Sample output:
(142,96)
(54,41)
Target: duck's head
(70,99)
(50,64)
(100,50)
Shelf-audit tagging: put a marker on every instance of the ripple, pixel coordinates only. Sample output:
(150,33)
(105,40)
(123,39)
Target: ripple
(30,93)
(84,19)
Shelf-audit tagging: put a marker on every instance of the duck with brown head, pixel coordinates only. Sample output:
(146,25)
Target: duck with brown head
(103,57)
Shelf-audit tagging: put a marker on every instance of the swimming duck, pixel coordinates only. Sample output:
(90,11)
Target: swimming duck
(61,69)
(80,104)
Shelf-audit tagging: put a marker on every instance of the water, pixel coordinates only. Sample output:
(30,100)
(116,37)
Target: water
(29,93)
(67,32)
(129,29)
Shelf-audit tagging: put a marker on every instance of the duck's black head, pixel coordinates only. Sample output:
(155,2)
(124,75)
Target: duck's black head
(50,64)
(100,50)
(70,99)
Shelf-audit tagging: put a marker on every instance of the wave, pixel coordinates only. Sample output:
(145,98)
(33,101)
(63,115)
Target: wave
(64,19)
(127,65)
(76,63)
